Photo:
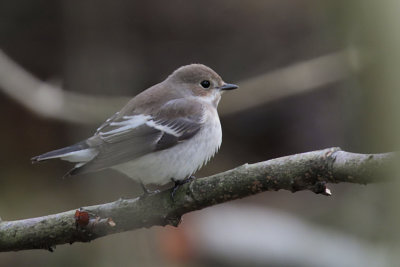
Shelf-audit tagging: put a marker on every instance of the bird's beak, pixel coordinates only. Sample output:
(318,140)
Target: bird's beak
(228,86)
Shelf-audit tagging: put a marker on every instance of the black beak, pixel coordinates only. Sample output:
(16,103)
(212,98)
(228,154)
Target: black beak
(228,86)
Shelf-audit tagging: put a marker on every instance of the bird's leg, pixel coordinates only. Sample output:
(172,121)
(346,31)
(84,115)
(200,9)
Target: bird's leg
(179,183)
(147,192)
(189,179)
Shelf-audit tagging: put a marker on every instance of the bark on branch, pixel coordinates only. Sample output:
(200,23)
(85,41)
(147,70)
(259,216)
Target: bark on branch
(306,171)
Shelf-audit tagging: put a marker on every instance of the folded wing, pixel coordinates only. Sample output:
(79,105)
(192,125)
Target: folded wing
(125,137)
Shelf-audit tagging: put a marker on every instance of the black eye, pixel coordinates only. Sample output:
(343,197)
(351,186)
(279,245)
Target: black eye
(205,84)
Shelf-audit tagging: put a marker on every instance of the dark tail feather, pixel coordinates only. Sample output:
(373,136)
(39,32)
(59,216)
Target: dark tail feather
(60,152)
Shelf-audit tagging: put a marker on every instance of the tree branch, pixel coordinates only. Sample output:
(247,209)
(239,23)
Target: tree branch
(306,171)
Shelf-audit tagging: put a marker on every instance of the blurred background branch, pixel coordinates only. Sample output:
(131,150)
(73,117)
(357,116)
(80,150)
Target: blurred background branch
(295,79)
(306,171)
(51,101)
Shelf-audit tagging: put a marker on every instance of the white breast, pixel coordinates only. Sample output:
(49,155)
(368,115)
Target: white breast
(180,161)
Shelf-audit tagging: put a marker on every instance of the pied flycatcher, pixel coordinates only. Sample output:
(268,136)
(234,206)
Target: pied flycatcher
(165,133)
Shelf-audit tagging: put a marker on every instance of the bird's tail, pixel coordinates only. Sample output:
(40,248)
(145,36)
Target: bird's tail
(79,152)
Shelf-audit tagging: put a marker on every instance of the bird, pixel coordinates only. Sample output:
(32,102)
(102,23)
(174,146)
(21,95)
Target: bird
(165,133)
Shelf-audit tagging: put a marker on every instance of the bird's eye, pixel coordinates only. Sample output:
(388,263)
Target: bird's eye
(205,84)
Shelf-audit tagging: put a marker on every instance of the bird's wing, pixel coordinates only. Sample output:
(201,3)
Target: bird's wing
(125,137)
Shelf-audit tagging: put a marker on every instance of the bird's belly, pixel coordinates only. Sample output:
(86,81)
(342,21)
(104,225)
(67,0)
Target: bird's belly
(177,162)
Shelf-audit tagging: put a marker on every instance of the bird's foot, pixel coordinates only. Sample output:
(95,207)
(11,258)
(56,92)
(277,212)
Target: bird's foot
(147,192)
(179,183)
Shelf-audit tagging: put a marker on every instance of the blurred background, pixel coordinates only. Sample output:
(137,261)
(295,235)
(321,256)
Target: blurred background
(312,74)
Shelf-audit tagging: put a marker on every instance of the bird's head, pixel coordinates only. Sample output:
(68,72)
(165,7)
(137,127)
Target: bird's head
(197,80)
